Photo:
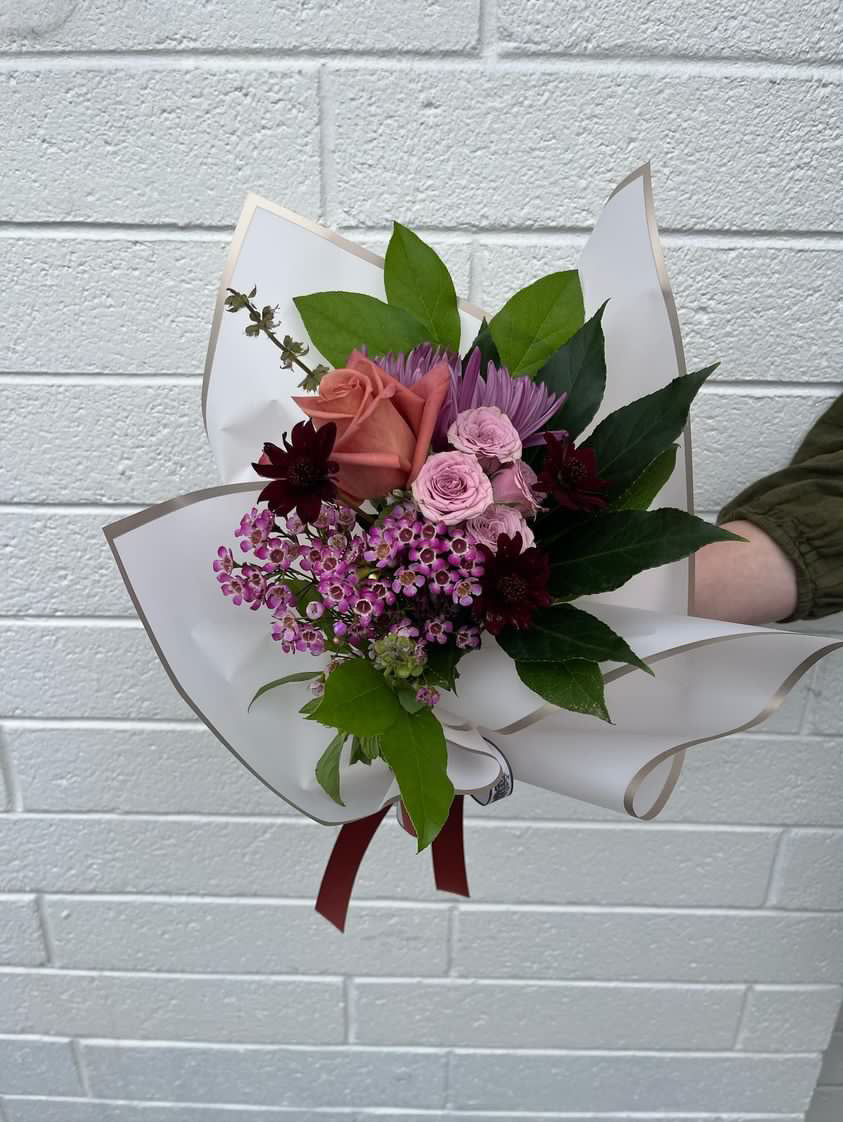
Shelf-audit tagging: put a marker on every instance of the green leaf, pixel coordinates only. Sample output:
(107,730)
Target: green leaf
(562,633)
(601,552)
(328,768)
(648,484)
(364,749)
(338,322)
(414,747)
(536,321)
(409,701)
(629,439)
(575,685)
(441,667)
(302,676)
(417,280)
(357,699)
(310,707)
(483,342)
(578,369)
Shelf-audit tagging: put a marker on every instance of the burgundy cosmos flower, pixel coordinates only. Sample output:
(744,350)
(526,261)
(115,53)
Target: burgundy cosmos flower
(513,584)
(300,471)
(570,475)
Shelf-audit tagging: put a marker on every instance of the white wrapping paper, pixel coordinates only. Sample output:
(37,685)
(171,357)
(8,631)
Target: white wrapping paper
(712,678)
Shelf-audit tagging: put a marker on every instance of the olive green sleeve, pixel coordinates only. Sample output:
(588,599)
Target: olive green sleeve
(801,509)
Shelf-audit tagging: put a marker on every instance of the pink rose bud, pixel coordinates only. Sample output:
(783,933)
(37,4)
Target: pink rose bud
(451,487)
(514,485)
(497,520)
(487,433)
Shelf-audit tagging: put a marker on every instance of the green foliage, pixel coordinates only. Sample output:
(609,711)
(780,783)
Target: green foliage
(600,552)
(414,747)
(328,767)
(536,321)
(417,280)
(578,369)
(648,484)
(339,322)
(358,700)
(302,676)
(629,439)
(364,749)
(484,342)
(440,670)
(575,685)
(562,633)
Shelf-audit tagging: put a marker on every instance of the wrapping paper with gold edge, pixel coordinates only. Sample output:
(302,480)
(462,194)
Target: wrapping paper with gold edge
(712,678)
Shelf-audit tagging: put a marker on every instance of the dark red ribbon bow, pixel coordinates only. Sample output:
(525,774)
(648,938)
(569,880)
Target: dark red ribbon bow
(350,848)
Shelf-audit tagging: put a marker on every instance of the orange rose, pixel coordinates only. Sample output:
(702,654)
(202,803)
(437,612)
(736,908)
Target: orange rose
(384,428)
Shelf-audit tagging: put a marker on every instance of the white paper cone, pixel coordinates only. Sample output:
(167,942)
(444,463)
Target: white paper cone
(712,678)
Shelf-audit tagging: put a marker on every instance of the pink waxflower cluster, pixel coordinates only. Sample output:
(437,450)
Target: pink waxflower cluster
(336,586)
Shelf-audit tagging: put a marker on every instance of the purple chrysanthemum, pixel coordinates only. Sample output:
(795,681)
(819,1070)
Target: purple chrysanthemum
(528,404)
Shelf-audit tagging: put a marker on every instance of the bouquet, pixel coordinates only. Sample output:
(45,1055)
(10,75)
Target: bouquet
(441,518)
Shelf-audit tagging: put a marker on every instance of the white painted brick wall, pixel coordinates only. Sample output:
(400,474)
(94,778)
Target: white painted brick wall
(159,957)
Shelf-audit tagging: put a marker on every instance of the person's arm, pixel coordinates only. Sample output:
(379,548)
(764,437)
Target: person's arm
(791,566)
(744,582)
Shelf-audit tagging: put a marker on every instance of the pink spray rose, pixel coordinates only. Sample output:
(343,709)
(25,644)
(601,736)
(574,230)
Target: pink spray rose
(487,433)
(496,520)
(383,427)
(450,487)
(514,485)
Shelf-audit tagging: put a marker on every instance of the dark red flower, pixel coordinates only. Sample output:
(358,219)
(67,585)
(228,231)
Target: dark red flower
(301,471)
(570,475)
(513,585)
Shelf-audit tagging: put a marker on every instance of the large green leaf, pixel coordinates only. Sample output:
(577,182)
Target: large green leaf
(414,747)
(602,552)
(302,676)
(337,322)
(328,768)
(578,369)
(576,685)
(536,321)
(358,700)
(629,439)
(561,633)
(648,484)
(417,280)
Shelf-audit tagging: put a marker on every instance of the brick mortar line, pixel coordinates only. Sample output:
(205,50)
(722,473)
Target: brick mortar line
(157,723)
(551,825)
(81,1067)
(488,237)
(751,387)
(382,903)
(9,780)
(482,823)
(422,981)
(772,880)
(425,1112)
(46,931)
(402,1049)
(307,61)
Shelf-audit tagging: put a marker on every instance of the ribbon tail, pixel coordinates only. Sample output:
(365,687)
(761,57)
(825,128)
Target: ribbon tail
(340,872)
(449,870)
